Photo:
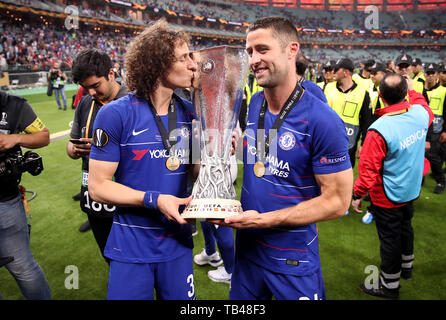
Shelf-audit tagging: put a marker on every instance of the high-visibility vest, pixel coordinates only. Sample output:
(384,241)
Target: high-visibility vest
(420,75)
(250,91)
(374,98)
(436,103)
(322,84)
(348,107)
(418,86)
(362,82)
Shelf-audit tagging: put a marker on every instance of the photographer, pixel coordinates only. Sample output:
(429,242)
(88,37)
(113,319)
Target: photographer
(17,116)
(56,78)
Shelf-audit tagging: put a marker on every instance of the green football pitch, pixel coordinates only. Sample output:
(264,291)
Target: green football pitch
(349,249)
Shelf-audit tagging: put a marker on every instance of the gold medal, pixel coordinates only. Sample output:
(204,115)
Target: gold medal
(259,169)
(172,163)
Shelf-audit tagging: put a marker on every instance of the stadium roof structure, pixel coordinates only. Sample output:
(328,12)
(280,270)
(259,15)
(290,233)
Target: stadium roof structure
(353,5)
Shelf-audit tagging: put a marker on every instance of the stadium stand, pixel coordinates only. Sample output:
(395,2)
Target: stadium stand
(33,33)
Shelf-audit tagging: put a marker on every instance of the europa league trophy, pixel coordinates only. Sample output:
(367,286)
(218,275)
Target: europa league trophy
(218,93)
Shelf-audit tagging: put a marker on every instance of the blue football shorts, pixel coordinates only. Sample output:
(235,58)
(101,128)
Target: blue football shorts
(252,282)
(172,280)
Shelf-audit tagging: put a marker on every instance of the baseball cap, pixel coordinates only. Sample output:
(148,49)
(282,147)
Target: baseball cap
(431,67)
(330,64)
(345,63)
(368,63)
(378,66)
(403,59)
(441,67)
(416,62)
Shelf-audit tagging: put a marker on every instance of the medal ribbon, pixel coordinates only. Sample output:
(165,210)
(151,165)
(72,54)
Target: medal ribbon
(263,144)
(169,138)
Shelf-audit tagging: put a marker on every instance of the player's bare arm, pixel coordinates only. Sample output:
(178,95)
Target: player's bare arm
(336,191)
(103,189)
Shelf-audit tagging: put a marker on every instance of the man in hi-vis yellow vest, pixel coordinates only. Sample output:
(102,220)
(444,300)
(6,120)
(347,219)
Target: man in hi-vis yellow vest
(363,77)
(328,75)
(437,102)
(251,87)
(377,73)
(417,70)
(351,102)
(403,67)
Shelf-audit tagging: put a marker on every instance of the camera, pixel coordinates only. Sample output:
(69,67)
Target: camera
(14,163)
(54,75)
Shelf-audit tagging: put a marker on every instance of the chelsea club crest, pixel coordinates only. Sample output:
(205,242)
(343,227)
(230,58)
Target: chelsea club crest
(287,141)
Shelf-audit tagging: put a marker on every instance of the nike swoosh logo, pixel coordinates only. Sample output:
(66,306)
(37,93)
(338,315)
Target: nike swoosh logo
(135,133)
(250,123)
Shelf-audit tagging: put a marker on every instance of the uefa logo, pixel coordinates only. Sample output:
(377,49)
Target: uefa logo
(287,141)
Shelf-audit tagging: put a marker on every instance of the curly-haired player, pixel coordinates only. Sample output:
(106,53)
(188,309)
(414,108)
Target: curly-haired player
(137,164)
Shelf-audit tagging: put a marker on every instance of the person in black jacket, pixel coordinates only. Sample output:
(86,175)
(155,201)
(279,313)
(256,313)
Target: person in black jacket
(93,70)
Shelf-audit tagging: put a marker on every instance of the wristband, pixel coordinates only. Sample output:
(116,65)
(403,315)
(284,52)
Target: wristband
(355,197)
(151,199)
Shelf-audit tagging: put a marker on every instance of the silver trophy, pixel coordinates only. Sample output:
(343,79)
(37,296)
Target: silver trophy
(218,93)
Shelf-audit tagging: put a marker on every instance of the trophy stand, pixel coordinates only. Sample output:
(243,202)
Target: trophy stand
(218,94)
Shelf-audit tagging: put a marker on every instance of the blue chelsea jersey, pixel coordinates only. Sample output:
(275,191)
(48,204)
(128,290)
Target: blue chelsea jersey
(312,140)
(129,135)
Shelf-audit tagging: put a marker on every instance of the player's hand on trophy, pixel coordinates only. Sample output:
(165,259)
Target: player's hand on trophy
(169,206)
(249,219)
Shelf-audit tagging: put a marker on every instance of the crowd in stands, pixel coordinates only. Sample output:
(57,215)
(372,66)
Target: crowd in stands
(207,9)
(36,46)
(33,47)
(241,12)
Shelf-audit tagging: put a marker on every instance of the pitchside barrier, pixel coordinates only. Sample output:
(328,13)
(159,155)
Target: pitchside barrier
(29,80)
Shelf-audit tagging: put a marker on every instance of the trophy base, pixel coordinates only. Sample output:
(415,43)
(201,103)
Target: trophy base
(212,209)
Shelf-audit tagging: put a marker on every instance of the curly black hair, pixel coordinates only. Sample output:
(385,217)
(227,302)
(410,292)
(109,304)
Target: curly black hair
(150,55)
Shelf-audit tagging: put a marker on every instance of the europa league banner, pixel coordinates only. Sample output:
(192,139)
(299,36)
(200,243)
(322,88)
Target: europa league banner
(218,93)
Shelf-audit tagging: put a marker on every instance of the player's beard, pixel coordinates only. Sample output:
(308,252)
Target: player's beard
(269,79)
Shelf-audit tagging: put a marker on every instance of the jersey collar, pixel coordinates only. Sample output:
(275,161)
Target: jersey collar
(349,89)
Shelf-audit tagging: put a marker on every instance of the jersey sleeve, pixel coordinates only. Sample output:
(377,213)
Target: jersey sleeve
(329,142)
(107,131)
